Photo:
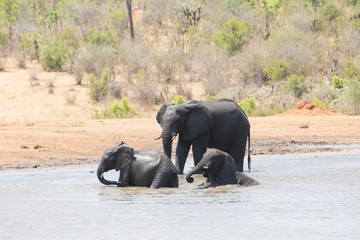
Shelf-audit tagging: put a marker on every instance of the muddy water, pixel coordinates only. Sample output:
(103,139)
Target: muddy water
(300,197)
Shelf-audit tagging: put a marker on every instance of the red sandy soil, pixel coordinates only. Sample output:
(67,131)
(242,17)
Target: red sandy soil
(306,108)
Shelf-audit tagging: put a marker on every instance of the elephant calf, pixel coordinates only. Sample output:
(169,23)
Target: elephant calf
(147,169)
(218,169)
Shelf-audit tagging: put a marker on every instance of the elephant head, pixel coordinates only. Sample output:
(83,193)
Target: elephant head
(116,158)
(209,166)
(189,119)
(216,166)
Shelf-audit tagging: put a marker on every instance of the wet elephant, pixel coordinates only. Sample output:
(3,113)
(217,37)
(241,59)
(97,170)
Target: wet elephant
(221,124)
(147,169)
(218,169)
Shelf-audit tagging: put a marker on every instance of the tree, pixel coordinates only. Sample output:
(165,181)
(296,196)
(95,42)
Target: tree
(8,15)
(128,6)
(233,36)
(270,8)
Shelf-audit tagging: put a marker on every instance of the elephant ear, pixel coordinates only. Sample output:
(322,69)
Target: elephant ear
(162,110)
(124,156)
(199,120)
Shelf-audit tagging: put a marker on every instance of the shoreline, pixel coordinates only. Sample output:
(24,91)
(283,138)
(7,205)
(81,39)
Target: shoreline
(53,144)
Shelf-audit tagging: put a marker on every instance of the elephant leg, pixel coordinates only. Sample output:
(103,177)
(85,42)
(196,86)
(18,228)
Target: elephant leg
(237,151)
(182,151)
(199,146)
(162,179)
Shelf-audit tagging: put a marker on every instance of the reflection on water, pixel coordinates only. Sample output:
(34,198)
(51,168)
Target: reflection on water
(299,197)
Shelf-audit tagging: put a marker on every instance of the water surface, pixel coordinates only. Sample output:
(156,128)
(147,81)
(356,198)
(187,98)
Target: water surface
(300,197)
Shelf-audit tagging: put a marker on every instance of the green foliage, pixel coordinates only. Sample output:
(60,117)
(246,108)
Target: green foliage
(233,36)
(271,5)
(277,71)
(8,12)
(98,87)
(114,110)
(338,82)
(54,57)
(210,98)
(355,24)
(323,104)
(192,16)
(3,39)
(31,42)
(69,38)
(178,100)
(331,13)
(297,85)
(350,70)
(107,38)
(315,4)
(248,106)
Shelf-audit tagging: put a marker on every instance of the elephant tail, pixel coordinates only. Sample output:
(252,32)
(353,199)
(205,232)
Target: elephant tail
(249,158)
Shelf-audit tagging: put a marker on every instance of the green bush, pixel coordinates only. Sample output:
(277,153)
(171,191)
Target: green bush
(248,106)
(337,82)
(297,85)
(114,110)
(323,104)
(3,39)
(98,87)
(350,70)
(210,98)
(178,100)
(233,36)
(279,70)
(107,38)
(54,57)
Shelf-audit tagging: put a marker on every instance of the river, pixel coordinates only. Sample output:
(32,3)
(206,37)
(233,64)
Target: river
(299,197)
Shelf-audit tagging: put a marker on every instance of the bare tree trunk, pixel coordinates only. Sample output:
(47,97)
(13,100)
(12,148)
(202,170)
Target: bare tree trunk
(128,6)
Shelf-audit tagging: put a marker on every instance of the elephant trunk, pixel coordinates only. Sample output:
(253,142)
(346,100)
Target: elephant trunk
(167,139)
(197,169)
(100,175)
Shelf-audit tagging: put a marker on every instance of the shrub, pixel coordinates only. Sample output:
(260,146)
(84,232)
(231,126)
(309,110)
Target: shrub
(54,57)
(350,70)
(337,82)
(297,85)
(277,71)
(248,106)
(114,110)
(233,36)
(210,98)
(98,87)
(323,104)
(108,38)
(178,100)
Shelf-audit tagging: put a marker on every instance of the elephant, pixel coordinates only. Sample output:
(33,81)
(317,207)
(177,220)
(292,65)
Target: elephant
(147,169)
(218,169)
(220,124)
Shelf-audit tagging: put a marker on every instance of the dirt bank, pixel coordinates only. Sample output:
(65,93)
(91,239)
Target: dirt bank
(61,143)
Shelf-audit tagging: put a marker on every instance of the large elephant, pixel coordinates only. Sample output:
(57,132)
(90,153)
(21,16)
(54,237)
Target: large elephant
(221,124)
(147,169)
(218,169)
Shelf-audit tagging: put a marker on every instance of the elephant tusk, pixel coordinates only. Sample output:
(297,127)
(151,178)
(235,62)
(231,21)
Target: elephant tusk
(173,138)
(157,138)
(206,167)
